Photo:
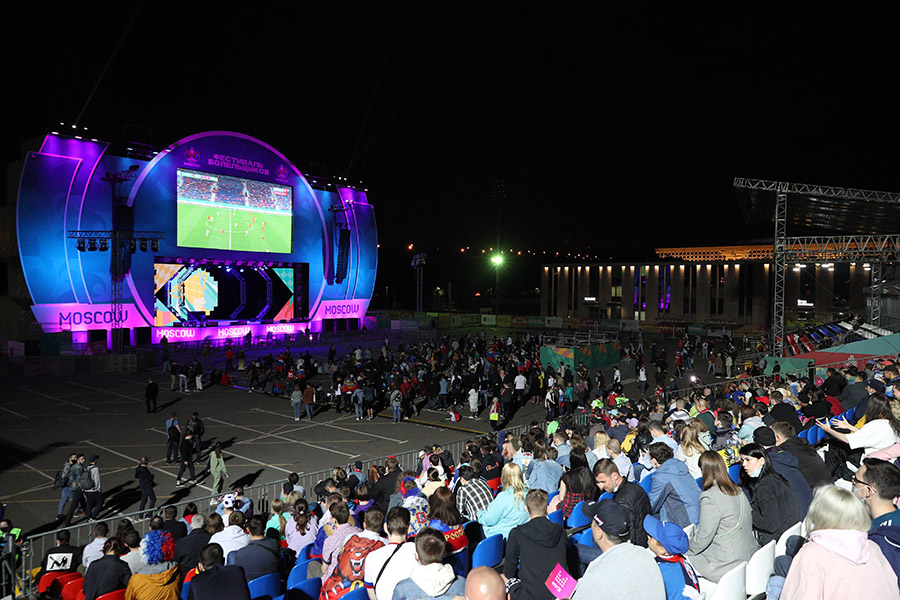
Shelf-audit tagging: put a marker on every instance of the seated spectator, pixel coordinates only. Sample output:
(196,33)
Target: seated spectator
(508,508)
(838,557)
(773,503)
(158,575)
(533,551)
(64,557)
(433,481)
(483,583)
(543,473)
(724,536)
(187,549)
(444,517)
(472,493)
(94,550)
(301,529)
(576,485)
(214,580)
(233,537)
(430,578)
(414,502)
(881,429)
(399,555)
(277,522)
(674,495)
(108,573)
(346,571)
(689,450)
(877,484)
(630,497)
(172,524)
(626,468)
(750,421)
(669,542)
(659,435)
(785,465)
(622,570)
(334,542)
(134,558)
(261,556)
(809,463)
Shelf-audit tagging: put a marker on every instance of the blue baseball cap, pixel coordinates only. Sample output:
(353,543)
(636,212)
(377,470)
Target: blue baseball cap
(671,536)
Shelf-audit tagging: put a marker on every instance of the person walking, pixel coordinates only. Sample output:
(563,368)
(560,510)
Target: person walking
(187,462)
(145,483)
(93,493)
(77,500)
(151,393)
(67,492)
(197,429)
(309,400)
(217,468)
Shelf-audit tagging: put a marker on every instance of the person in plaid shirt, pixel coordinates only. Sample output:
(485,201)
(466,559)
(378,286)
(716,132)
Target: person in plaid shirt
(472,494)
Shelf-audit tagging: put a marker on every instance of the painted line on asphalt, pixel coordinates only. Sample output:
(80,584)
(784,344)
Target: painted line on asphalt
(286,439)
(54,398)
(327,424)
(270,465)
(136,462)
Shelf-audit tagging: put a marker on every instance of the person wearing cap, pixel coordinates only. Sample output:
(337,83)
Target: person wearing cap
(669,542)
(623,570)
(786,465)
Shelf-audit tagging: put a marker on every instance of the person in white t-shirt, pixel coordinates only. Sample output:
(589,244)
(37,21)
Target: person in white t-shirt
(881,428)
(386,567)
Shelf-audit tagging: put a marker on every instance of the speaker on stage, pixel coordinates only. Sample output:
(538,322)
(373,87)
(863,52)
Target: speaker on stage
(343,256)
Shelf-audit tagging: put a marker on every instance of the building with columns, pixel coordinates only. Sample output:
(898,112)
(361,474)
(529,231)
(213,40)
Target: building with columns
(731,286)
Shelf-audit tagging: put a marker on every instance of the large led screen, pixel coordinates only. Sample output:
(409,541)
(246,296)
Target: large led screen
(199,293)
(232,213)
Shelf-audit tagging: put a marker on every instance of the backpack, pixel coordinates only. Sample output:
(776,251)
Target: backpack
(61,479)
(173,432)
(196,427)
(86,482)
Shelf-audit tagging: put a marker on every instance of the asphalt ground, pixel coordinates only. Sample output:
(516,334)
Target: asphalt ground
(45,418)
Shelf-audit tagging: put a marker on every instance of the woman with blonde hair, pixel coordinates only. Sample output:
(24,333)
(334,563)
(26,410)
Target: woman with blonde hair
(703,435)
(689,451)
(601,439)
(723,537)
(839,561)
(277,519)
(507,510)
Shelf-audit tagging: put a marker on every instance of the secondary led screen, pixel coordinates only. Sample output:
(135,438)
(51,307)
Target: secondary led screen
(232,213)
(198,293)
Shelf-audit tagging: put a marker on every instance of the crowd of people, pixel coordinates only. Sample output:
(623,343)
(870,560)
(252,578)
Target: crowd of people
(675,489)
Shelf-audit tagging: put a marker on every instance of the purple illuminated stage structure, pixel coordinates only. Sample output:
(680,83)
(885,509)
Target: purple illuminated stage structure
(249,245)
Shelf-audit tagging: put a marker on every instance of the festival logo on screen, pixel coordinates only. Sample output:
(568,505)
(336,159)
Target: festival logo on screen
(192,156)
(281,173)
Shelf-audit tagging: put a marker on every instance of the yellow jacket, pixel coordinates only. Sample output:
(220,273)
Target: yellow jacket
(161,586)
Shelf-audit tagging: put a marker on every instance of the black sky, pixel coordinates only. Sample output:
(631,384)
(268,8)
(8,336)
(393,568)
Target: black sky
(618,134)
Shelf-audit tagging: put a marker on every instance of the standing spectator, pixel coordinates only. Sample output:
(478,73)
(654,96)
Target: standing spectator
(188,548)
(75,477)
(724,536)
(197,429)
(430,577)
(109,574)
(508,508)
(93,492)
(674,495)
(261,555)
(173,438)
(197,373)
(773,503)
(187,462)
(145,483)
(838,556)
(630,567)
(296,402)
(217,468)
(67,492)
(533,551)
(151,393)
(309,401)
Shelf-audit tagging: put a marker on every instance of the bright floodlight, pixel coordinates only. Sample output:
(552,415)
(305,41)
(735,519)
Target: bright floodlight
(497,260)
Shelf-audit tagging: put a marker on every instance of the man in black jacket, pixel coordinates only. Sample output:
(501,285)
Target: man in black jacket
(809,463)
(630,496)
(187,549)
(782,411)
(151,393)
(387,485)
(173,524)
(214,580)
(533,551)
(63,557)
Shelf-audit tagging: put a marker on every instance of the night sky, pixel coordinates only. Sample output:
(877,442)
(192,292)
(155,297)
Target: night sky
(613,136)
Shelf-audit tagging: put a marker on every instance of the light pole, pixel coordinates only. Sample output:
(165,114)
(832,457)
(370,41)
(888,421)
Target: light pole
(497,262)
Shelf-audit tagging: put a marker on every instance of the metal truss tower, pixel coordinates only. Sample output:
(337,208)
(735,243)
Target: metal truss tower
(874,248)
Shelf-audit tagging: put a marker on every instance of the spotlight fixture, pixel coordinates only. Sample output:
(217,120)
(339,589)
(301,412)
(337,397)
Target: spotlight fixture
(104,245)
(154,245)
(132,245)
(92,245)
(80,245)
(143,245)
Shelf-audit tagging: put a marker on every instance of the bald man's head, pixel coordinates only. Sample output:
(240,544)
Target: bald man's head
(485,583)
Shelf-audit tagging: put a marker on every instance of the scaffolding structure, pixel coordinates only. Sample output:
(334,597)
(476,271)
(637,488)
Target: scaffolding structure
(875,249)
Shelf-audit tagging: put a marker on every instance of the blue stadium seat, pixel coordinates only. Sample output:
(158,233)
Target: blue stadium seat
(359,593)
(700,483)
(304,552)
(309,588)
(734,472)
(298,573)
(585,538)
(556,517)
(646,483)
(550,497)
(577,518)
(267,585)
(185,589)
(488,552)
(605,496)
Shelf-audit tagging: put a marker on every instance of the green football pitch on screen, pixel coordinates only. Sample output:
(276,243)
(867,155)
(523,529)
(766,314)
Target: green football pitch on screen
(223,227)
